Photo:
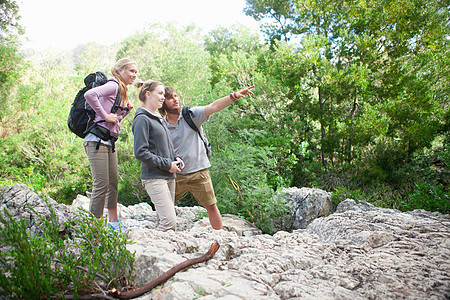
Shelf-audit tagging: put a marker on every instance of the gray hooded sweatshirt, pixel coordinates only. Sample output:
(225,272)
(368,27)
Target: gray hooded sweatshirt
(152,145)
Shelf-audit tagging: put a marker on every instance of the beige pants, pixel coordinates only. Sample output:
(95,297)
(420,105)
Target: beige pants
(162,194)
(105,177)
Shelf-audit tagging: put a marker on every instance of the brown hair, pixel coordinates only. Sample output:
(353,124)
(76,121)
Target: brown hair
(149,85)
(168,94)
(115,71)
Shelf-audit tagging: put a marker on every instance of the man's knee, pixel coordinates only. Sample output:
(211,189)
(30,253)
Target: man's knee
(211,207)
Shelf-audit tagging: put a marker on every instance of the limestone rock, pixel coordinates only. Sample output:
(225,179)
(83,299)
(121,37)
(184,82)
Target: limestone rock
(305,205)
(22,202)
(358,252)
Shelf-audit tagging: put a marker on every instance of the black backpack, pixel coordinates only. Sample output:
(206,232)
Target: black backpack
(187,115)
(81,115)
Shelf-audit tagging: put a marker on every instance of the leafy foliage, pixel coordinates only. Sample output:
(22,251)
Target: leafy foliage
(44,266)
(240,179)
(359,72)
(170,55)
(9,20)
(11,60)
(428,197)
(350,96)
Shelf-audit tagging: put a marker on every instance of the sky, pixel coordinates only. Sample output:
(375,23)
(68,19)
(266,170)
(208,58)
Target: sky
(64,24)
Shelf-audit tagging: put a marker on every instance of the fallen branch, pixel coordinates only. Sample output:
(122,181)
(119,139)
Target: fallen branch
(155,282)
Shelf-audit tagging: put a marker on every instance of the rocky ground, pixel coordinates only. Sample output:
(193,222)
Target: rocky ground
(358,252)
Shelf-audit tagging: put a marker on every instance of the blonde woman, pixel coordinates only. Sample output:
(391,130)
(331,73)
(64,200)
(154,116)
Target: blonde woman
(101,154)
(153,147)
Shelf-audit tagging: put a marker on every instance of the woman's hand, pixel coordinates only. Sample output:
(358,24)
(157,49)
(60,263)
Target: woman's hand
(130,105)
(180,163)
(177,166)
(112,118)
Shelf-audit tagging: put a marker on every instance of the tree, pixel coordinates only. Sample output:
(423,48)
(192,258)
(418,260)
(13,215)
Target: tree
(222,43)
(9,20)
(365,55)
(10,57)
(172,55)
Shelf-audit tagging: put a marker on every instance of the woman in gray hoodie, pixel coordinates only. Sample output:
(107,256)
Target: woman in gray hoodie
(153,147)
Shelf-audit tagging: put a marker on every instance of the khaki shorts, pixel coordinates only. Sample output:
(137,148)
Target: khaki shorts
(199,184)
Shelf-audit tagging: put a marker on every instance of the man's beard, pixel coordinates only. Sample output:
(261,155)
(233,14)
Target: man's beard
(174,110)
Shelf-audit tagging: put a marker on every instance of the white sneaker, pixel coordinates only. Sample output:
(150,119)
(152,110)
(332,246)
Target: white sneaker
(116,226)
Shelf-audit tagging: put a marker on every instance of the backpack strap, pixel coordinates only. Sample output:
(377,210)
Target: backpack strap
(187,115)
(117,102)
(113,144)
(92,126)
(114,108)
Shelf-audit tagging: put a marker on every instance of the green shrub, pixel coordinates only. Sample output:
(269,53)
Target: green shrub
(428,197)
(240,183)
(49,266)
(342,193)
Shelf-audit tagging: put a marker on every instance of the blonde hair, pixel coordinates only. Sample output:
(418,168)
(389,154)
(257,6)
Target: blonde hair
(115,71)
(149,85)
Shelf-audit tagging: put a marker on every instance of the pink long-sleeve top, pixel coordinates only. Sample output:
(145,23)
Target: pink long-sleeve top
(101,99)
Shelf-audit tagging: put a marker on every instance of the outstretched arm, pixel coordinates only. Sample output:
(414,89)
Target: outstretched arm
(221,103)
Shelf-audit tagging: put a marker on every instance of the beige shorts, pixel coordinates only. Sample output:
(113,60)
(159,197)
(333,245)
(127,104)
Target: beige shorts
(199,184)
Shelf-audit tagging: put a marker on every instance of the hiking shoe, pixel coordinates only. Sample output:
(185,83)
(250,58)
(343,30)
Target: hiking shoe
(116,226)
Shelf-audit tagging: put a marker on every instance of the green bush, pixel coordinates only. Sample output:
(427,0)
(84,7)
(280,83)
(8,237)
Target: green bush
(428,197)
(48,266)
(342,193)
(240,183)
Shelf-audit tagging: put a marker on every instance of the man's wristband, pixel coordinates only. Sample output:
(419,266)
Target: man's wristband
(233,96)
